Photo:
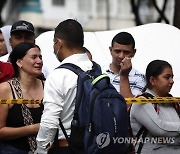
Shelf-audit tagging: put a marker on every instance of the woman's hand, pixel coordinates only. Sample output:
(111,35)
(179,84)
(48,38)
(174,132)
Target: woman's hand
(34,128)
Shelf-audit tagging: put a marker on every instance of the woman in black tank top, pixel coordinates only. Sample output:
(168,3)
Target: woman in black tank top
(19,123)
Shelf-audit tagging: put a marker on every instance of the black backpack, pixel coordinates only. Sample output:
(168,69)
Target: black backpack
(100,114)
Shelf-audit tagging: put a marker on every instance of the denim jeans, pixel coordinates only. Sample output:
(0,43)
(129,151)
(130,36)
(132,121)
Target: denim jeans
(7,149)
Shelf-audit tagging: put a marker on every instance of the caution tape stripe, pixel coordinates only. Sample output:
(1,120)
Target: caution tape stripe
(152,100)
(19,101)
(128,100)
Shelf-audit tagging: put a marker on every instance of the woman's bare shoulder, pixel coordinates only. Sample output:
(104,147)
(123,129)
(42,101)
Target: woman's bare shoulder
(5,91)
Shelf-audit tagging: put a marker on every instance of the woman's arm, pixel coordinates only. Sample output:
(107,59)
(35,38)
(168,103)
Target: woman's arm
(148,117)
(10,132)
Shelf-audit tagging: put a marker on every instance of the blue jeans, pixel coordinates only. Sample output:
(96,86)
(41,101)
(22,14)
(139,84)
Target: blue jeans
(7,149)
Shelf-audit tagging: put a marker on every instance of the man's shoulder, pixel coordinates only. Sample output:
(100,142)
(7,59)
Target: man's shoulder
(135,72)
(106,69)
(4,58)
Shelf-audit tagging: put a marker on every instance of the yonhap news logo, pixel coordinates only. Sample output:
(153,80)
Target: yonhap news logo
(104,139)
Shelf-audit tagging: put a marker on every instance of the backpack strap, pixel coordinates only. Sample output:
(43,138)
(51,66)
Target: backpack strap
(77,70)
(176,106)
(143,129)
(74,68)
(148,95)
(144,132)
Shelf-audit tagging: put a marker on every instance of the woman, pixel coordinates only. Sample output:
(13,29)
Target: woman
(19,123)
(161,120)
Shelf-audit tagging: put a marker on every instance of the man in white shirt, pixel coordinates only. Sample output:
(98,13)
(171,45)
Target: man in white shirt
(128,81)
(60,87)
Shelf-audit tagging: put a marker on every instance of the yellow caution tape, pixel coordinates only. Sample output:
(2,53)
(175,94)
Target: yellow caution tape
(19,101)
(153,100)
(128,100)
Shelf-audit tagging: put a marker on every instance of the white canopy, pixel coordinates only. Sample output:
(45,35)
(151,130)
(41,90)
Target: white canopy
(153,41)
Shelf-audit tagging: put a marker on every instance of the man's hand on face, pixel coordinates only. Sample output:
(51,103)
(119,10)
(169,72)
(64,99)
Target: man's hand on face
(126,66)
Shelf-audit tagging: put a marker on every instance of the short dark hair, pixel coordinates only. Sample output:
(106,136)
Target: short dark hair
(155,68)
(71,32)
(124,38)
(19,52)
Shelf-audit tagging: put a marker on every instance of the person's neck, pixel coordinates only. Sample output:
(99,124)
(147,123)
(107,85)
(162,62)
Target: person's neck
(69,53)
(158,93)
(28,82)
(114,68)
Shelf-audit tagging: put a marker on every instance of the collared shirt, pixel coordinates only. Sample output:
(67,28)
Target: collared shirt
(59,101)
(136,80)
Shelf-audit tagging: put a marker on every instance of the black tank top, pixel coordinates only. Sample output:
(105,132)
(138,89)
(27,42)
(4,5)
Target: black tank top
(15,119)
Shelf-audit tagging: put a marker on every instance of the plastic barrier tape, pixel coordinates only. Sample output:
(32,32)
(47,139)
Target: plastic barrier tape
(20,101)
(153,100)
(128,100)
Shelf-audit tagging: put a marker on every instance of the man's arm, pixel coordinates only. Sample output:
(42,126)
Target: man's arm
(45,139)
(126,67)
(50,118)
(125,87)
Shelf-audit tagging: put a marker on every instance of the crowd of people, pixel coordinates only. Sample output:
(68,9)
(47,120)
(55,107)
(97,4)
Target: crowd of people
(31,128)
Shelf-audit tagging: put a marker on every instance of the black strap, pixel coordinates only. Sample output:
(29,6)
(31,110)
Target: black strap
(77,70)
(74,68)
(142,143)
(64,131)
(65,134)
(143,130)
(13,94)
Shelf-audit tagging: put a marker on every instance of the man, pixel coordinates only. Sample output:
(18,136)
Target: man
(128,81)
(5,47)
(22,31)
(60,87)
(6,69)
(4,40)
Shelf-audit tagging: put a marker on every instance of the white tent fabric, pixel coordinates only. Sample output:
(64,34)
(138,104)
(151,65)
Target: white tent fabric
(153,41)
